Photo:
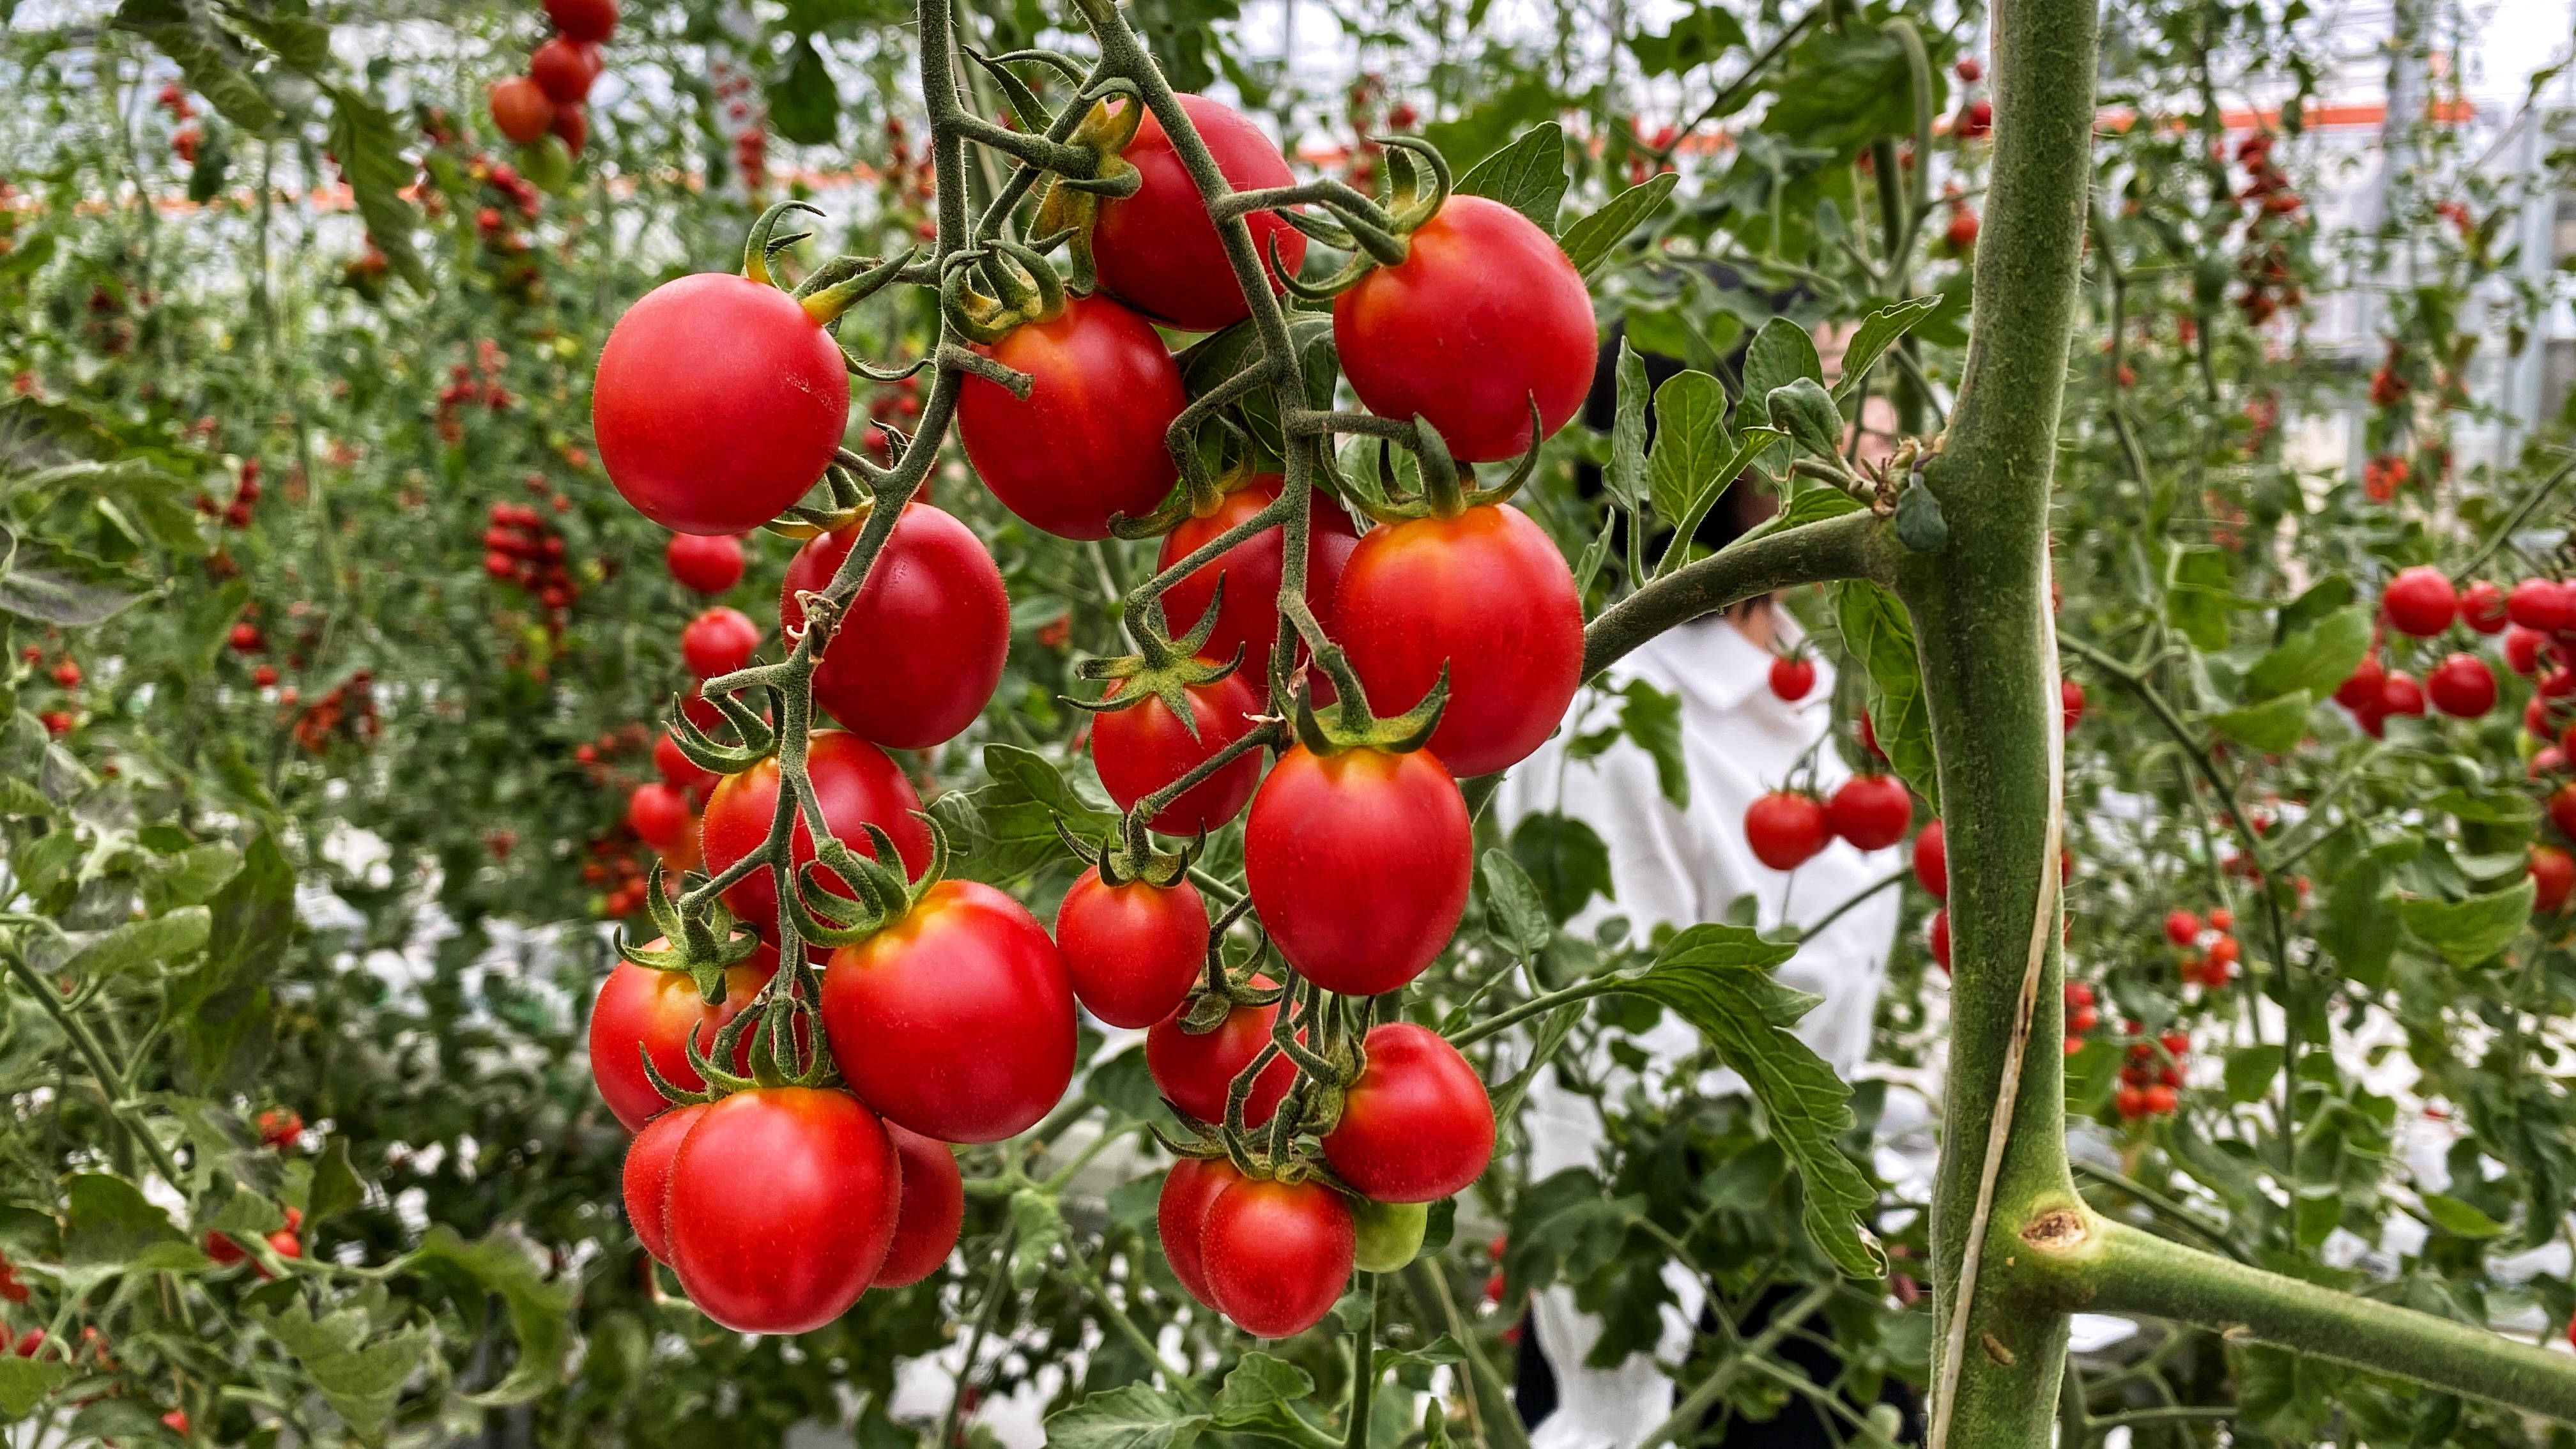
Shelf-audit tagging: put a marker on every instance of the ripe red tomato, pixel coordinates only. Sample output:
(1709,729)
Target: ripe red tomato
(1416,1125)
(1484,315)
(564,68)
(1144,747)
(2400,694)
(2070,703)
(657,1011)
(521,112)
(1180,1215)
(2360,691)
(1792,676)
(2539,605)
(2462,685)
(1932,861)
(922,646)
(2419,601)
(1158,252)
(2553,877)
(1195,1070)
(2522,648)
(1134,950)
(647,1177)
(2182,927)
(1786,829)
(1486,594)
(1248,616)
(1358,863)
(583,19)
(782,1204)
(929,1213)
(705,563)
(1961,233)
(573,125)
(718,402)
(2549,760)
(957,1020)
(2562,809)
(1870,811)
(676,769)
(1940,938)
(857,786)
(659,815)
(1088,442)
(1276,1254)
(2161,1100)
(719,641)
(2482,607)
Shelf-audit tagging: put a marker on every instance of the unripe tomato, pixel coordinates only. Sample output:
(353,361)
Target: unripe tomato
(2400,694)
(1134,950)
(659,815)
(1932,861)
(2182,927)
(1358,863)
(857,787)
(1388,1234)
(2553,877)
(677,770)
(2420,601)
(1786,829)
(647,1177)
(1488,595)
(564,68)
(1088,442)
(1416,1125)
(1248,616)
(1870,811)
(1196,1069)
(1792,676)
(2482,607)
(1482,316)
(929,1213)
(658,1011)
(1939,939)
(522,112)
(782,1204)
(2360,690)
(2521,650)
(1276,1254)
(590,20)
(705,563)
(1144,747)
(1158,252)
(1181,1212)
(2539,605)
(922,646)
(718,402)
(719,641)
(957,1020)
(2462,685)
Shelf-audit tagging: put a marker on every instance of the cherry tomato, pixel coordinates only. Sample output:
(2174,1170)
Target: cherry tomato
(1276,1254)
(2400,694)
(1144,747)
(2521,651)
(583,19)
(1488,595)
(658,1010)
(931,1210)
(658,814)
(573,125)
(676,769)
(2182,927)
(564,68)
(1248,616)
(2562,809)
(2482,607)
(705,563)
(1158,252)
(2070,703)
(1939,939)
(2462,685)
(1792,676)
(1786,829)
(857,786)
(2553,878)
(2539,605)
(719,641)
(1932,861)
(2419,601)
(1133,951)
(1870,811)
(718,402)
(1180,1214)
(521,112)
(1088,442)
(1358,863)
(957,1020)
(647,1177)
(922,646)
(1196,1069)
(1482,316)
(1416,1125)
(782,1204)
(2360,690)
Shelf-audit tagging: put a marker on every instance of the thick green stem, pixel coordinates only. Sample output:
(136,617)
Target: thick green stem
(1355,1426)
(1854,546)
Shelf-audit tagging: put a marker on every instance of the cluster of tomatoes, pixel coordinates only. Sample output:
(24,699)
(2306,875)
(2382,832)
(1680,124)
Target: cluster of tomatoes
(522,548)
(345,711)
(735,88)
(551,96)
(2210,947)
(246,494)
(621,881)
(2420,603)
(2264,266)
(66,675)
(468,386)
(1788,828)
(2151,1079)
(184,141)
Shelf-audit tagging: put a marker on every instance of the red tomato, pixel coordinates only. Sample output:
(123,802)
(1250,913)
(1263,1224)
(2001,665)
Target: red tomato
(719,641)
(857,786)
(1870,811)
(583,19)
(705,563)
(2400,694)
(1358,863)
(573,125)
(957,1020)
(929,1213)
(658,1010)
(1133,951)
(1940,939)
(2361,689)
(2553,877)
(1195,1070)
(2539,605)
(1276,1254)
(1487,594)
(2521,651)
(2462,685)
(2419,601)
(1088,442)
(1158,252)
(647,1177)
(2070,703)
(922,646)
(1482,316)
(1180,1214)
(1792,676)
(2182,927)
(659,815)
(2562,809)
(718,402)
(676,769)
(782,1204)
(2482,607)
(564,68)
(1932,861)
(1144,747)
(521,112)
(1248,616)
(1786,829)
(1416,1125)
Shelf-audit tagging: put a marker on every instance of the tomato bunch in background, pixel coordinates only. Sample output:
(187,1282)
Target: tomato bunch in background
(522,548)
(553,97)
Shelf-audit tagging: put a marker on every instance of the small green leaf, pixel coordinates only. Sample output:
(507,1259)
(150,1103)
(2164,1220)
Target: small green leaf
(222,1006)
(160,941)
(1565,859)
(1625,473)
(1133,1417)
(24,1383)
(1781,353)
(2315,658)
(804,104)
(336,1187)
(1879,331)
(1702,35)
(1591,241)
(247,1214)
(2469,931)
(2251,1071)
(1919,524)
(1881,637)
(1653,719)
(111,1222)
(1513,904)
(369,148)
(211,58)
(1528,175)
(361,1381)
(2459,1219)
(1003,830)
(1805,411)
(540,1312)
(1691,446)
(1040,1228)
(2274,727)
(1258,1382)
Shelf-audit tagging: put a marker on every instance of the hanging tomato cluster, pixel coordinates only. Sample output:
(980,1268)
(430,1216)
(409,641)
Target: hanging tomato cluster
(551,97)
(522,548)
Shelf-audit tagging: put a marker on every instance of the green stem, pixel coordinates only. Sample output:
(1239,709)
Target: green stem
(984,1312)
(1355,1427)
(1537,1006)
(1694,1406)
(2529,505)
(111,1082)
(1127,1329)
(1853,546)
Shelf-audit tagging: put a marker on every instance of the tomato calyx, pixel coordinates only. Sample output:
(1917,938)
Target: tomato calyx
(1025,288)
(1123,861)
(1351,725)
(1375,231)
(827,918)
(701,946)
(1071,206)
(836,286)
(758,739)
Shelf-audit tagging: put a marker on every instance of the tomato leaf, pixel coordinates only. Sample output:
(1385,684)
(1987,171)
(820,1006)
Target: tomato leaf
(1691,446)
(1528,175)
(369,148)
(1805,411)
(336,1187)
(1696,39)
(111,1224)
(24,1383)
(540,1312)
(1513,906)
(2466,932)
(2315,658)
(2273,727)
(1133,1417)
(804,104)
(1259,1387)
(57,586)
(1781,353)
(1624,475)
(1039,1227)
(1003,830)
(213,60)
(1880,636)
(361,1381)
(2459,1219)
(1653,719)
(222,1007)
(1879,331)
(1565,860)
(1592,239)
(135,945)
